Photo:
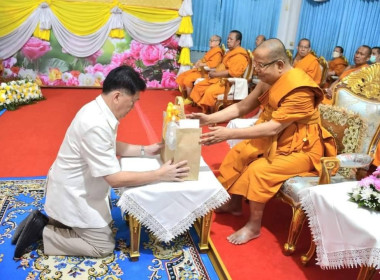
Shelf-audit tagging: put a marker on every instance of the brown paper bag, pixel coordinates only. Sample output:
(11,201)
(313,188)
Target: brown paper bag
(187,146)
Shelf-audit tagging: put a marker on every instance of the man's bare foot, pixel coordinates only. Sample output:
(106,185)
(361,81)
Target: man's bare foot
(230,209)
(243,235)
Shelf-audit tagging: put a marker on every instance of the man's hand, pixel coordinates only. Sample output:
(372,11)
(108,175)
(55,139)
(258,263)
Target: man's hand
(174,172)
(216,135)
(328,93)
(203,118)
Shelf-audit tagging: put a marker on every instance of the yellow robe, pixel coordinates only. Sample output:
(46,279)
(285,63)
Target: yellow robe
(311,66)
(205,92)
(212,58)
(257,168)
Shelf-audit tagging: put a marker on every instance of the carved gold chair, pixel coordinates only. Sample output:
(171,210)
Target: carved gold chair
(236,89)
(354,122)
(324,68)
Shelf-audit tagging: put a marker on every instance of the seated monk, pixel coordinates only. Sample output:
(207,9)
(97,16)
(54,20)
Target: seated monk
(336,65)
(286,141)
(362,55)
(306,61)
(211,59)
(234,63)
(375,56)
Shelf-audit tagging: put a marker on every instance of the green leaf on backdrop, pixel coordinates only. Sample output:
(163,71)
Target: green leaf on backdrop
(46,64)
(108,49)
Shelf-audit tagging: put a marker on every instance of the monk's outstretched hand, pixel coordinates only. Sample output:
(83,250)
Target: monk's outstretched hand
(216,135)
(203,118)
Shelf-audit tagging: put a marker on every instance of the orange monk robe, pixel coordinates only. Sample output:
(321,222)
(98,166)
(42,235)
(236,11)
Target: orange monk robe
(351,69)
(376,160)
(206,91)
(257,168)
(311,66)
(337,65)
(212,58)
(345,73)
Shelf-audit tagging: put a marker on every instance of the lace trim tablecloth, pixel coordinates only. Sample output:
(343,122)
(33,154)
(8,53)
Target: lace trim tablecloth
(168,209)
(345,234)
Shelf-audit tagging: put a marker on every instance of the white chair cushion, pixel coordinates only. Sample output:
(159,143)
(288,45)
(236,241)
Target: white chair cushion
(294,185)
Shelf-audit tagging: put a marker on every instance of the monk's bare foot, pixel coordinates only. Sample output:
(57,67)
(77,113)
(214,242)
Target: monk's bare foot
(230,209)
(243,235)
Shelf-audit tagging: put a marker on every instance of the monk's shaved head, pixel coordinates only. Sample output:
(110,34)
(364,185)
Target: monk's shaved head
(274,49)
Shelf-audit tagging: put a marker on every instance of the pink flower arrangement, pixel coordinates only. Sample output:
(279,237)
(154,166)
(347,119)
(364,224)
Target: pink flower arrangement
(367,193)
(35,48)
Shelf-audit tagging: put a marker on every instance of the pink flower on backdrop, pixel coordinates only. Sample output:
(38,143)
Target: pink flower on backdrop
(92,58)
(171,42)
(108,68)
(150,54)
(35,48)
(9,62)
(58,82)
(44,79)
(73,81)
(168,80)
(124,58)
(153,84)
(171,54)
(135,49)
(96,68)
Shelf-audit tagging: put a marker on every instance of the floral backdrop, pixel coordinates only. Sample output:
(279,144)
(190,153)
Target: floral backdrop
(49,64)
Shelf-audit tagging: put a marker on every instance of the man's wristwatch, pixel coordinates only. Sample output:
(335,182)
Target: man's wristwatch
(142,149)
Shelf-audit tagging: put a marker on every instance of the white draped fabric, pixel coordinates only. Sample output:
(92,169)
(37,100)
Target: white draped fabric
(345,234)
(83,46)
(170,208)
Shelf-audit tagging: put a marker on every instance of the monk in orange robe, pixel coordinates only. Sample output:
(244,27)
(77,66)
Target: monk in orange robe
(307,61)
(234,63)
(362,55)
(211,59)
(287,140)
(336,66)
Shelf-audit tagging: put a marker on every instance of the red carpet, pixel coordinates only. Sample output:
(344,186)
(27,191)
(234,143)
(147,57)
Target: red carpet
(30,138)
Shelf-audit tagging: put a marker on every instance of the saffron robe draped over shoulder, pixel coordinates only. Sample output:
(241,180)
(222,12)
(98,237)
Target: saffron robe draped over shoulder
(212,58)
(337,65)
(351,69)
(257,168)
(206,91)
(311,66)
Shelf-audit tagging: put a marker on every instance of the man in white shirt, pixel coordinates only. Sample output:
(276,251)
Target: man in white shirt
(79,181)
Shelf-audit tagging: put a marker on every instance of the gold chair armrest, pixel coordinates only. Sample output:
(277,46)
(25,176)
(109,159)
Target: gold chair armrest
(330,166)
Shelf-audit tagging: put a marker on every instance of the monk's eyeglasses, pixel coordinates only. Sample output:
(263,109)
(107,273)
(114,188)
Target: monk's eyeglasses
(264,65)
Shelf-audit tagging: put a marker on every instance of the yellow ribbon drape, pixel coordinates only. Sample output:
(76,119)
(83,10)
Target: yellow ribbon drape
(186,26)
(14,13)
(184,57)
(79,17)
(43,34)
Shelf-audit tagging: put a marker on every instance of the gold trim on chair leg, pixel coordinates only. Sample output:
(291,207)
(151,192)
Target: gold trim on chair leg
(205,232)
(307,257)
(294,231)
(366,273)
(135,231)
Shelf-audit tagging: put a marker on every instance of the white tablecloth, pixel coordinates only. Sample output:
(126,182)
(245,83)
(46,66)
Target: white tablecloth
(170,208)
(345,234)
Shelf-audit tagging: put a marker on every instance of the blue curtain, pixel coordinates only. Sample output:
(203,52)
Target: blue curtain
(346,23)
(250,17)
